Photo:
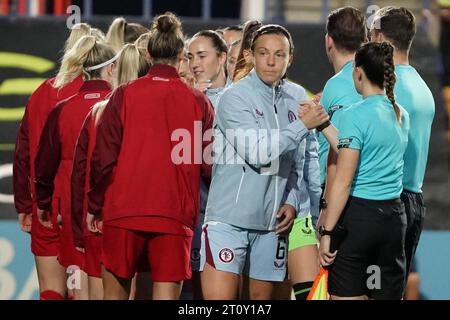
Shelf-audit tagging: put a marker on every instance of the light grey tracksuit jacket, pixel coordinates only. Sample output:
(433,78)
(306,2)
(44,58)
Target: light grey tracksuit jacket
(264,156)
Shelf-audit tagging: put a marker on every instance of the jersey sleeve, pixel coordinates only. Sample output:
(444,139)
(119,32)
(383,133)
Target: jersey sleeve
(47,160)
(350,134)
(78,182)
(106,151)
(21,169)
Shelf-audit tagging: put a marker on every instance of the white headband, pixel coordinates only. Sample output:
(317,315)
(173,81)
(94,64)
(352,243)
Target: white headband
(104,64)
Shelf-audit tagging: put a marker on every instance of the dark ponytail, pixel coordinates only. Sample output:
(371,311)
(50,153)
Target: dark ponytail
(377,61)
(389,77)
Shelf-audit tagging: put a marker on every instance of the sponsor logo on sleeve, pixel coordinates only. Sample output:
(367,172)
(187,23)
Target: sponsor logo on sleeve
(333,109)
(344,143)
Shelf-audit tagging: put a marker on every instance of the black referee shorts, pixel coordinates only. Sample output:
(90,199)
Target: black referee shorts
(371,259)
(415,215)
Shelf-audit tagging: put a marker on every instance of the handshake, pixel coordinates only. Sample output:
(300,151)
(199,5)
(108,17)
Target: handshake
(313,115)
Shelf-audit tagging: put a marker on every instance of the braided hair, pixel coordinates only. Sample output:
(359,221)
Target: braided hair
(377,61)
(389,76)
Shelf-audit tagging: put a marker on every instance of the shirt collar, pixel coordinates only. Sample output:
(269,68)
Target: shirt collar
(347,65)
(228,83)
(215,90)
(163,71)
(264,87)
(95,85)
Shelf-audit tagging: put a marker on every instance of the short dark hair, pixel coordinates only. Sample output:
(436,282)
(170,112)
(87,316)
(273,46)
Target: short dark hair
(273,29)
(398,25)
(347,27)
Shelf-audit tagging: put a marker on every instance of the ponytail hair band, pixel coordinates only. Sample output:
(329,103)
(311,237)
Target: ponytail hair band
(104,64)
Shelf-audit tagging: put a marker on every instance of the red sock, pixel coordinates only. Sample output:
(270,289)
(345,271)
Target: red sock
(50,295)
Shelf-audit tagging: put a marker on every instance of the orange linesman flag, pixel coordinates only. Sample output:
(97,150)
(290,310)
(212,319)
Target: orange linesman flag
(319,290)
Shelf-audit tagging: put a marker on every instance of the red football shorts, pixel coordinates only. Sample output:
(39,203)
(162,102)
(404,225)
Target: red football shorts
(44,242)
(68,255)
(126,251)
(92,255)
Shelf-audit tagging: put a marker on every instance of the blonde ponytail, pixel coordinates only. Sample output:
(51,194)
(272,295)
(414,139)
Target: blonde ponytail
(79,30)
(73,61)
(98,34)
(142,42)
(131,64)
(98,109)
(116,34)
